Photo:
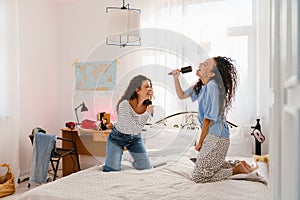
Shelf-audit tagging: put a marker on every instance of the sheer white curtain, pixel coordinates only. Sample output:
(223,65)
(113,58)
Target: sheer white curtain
(229,28)
(8,55)
(3,66)
(9,80)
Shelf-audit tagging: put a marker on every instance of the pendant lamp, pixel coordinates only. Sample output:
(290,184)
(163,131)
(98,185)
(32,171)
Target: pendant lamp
(124,25)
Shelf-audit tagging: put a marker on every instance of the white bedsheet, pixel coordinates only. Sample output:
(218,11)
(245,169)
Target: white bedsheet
(172,181)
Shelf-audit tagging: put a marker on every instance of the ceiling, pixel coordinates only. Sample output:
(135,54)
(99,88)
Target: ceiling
(63,1)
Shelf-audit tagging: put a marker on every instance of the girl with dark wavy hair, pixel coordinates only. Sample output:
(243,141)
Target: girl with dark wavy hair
(134,110)
(214,92)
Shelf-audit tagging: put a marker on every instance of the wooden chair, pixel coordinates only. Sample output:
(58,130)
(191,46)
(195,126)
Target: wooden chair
(57,153)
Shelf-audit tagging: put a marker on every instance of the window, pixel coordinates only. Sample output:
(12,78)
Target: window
(225,28)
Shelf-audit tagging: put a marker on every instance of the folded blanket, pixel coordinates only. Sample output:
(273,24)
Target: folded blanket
(42,147)
(260,174)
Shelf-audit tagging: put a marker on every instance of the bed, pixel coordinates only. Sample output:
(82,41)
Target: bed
(170,146)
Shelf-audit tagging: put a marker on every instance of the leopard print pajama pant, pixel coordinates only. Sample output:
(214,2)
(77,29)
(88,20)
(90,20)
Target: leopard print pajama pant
(210,164)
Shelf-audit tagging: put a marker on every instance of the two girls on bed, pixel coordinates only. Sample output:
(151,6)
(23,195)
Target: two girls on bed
(214,92)
(134,110)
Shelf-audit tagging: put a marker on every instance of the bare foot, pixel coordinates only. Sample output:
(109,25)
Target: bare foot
(246,165)
(131,159)
(239,169)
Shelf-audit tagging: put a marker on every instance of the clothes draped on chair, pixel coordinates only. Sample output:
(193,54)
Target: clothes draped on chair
(42,147)
(45,151)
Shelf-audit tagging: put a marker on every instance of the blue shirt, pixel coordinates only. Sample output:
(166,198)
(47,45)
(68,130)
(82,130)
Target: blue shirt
(209,107)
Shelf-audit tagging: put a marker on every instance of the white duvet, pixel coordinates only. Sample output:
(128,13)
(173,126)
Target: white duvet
(169,181)
(166,182)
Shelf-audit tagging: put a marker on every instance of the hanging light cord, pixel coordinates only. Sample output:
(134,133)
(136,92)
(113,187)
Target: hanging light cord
(125,7)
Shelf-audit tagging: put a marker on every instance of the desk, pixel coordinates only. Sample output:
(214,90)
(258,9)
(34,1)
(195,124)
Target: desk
(88,142)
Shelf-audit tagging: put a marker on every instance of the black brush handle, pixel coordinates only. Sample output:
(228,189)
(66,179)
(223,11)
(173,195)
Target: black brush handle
(184,70)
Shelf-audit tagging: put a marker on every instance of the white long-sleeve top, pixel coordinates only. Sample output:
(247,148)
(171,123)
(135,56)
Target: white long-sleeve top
(129,122)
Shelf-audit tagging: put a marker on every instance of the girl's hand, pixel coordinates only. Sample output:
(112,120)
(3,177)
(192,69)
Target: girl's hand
(109,126)
(150,109)
(176,73)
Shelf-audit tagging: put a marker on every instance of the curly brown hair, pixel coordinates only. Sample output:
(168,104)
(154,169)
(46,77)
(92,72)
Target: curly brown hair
(226,78)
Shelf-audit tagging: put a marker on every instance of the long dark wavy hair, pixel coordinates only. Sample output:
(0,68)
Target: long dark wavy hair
(226,78)
(130,93)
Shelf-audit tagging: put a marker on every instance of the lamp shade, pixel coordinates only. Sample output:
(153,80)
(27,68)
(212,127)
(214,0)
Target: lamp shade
(84,108)
(124,25)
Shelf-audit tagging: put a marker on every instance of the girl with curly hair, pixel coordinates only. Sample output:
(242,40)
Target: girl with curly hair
(214,92)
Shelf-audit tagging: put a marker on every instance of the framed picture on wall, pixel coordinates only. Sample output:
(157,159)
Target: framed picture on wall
(95,76)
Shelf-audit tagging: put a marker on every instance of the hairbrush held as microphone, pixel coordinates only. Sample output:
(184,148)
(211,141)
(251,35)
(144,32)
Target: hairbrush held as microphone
(184,70)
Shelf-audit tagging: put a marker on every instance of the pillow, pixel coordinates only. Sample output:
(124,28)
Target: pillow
(162,137)
(165,144)
(158,137)
(241,142)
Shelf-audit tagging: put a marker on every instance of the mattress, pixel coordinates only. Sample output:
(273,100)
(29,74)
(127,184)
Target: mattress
(170,151)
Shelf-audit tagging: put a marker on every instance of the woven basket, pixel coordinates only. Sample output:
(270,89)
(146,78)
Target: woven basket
(7,183)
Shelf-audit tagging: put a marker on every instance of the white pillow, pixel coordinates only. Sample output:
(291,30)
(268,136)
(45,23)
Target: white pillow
(165,144)
(161,137)
(241,142)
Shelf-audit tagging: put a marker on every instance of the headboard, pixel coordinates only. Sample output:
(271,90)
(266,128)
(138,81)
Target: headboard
(184,120)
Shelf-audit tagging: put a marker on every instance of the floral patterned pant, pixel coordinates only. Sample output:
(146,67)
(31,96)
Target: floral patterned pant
(210,164)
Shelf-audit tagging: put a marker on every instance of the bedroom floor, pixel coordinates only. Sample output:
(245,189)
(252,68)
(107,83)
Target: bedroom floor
(23,187)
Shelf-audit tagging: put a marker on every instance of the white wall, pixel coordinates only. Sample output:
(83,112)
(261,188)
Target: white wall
(80,30)
(38,72)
